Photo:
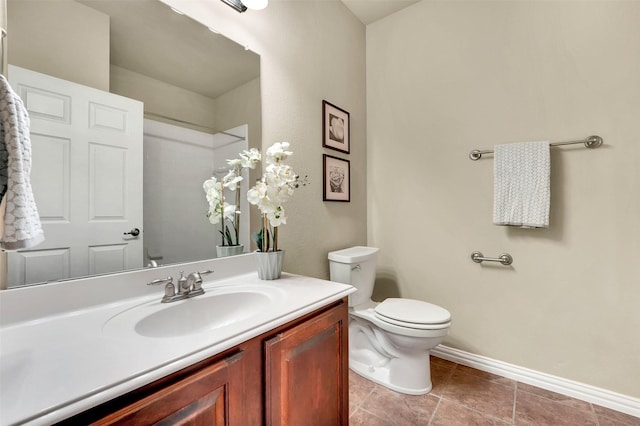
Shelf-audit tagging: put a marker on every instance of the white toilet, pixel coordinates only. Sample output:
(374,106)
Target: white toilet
(389,342)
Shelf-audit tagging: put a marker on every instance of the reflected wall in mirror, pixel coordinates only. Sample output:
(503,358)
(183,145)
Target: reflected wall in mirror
(185,100)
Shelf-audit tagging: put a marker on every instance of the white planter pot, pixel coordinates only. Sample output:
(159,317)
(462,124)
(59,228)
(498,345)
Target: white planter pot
(270,264)
(224,251)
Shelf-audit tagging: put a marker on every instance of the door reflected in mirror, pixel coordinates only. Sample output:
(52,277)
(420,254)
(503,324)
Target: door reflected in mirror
(170,102)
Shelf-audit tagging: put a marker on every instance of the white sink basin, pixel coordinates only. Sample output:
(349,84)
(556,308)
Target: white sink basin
(220,307)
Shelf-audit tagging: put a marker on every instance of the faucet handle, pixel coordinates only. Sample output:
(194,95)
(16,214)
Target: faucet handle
(207,272)
(169,293)
(161,281)
(169,290)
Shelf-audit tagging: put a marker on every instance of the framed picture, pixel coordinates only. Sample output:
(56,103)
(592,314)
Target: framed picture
(336,132)
(336,183)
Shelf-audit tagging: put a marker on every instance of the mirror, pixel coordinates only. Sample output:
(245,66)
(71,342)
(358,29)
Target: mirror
(201,98)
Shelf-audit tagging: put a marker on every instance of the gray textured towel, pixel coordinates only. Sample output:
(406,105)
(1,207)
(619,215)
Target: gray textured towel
(521,187)
(22,228)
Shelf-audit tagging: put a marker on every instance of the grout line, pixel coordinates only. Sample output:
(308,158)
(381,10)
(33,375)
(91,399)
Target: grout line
(515,401)
(593,413)
(370,413)
(359,404)
(435,410)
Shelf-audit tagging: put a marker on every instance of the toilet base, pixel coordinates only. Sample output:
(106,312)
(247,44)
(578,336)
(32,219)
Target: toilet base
(398,362)
(380,375)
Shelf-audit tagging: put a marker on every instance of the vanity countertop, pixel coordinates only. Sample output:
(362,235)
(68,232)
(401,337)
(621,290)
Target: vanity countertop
(58,365)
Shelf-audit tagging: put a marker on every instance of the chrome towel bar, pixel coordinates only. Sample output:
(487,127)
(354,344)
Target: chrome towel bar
(504,258)
(590,142)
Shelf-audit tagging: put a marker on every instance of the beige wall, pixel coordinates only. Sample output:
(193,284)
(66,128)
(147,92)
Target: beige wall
(309,51)
(444,78)
(43,37)
(164,99)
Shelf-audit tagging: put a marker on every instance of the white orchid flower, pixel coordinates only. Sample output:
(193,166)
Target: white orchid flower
(232,179)
(236,162)
(250,158)
(275,188)
(257,193)
(215,212)
(277,152)
(209,183)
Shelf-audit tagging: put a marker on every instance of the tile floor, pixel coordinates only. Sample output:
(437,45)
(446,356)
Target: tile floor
(464,396)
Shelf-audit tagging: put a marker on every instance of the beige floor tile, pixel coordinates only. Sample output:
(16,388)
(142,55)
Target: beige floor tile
(535,410)
(441,371)
(363,418)
(465,396)
(483,394)
(452,414)
(563,399)
(608,417)
(359,390)
(400,409)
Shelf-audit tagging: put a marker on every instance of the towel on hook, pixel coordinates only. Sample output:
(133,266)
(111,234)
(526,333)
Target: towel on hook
(21,222)
(521,184)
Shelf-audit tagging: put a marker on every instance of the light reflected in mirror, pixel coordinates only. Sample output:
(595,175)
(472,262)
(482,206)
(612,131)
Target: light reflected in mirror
(200,93)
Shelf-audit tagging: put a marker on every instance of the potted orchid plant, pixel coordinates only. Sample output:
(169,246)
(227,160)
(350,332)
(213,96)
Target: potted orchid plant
(269,194)
(220,211)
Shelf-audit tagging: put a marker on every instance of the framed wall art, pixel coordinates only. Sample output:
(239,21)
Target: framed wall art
(336,183)
(336,132)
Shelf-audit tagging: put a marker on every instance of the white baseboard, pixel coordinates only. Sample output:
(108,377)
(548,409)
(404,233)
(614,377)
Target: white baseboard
(598,396)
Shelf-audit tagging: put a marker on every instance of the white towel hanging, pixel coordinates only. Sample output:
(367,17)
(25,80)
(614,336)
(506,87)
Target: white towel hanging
(522,191)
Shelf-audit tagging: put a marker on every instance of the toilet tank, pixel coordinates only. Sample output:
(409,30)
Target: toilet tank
(355,266)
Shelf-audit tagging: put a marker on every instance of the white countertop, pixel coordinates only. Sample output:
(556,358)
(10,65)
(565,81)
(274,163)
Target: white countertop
(62,363)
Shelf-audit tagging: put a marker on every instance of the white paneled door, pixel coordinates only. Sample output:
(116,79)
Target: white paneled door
(86,178)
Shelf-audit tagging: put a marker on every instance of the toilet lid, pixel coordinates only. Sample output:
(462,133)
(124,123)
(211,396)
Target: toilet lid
(412,311)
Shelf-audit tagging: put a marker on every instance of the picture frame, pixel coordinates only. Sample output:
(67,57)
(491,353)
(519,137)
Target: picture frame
(336,182)
(336,128)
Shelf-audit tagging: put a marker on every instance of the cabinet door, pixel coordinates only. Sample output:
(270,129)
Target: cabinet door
(307,372)
(202,398)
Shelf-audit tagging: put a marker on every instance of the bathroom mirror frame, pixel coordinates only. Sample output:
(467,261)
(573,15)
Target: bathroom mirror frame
(251,79)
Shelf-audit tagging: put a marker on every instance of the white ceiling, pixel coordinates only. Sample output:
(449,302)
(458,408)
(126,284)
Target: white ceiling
(368,11)
(148,38)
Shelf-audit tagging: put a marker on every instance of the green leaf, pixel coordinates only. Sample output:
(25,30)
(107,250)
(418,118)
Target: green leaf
(258,237)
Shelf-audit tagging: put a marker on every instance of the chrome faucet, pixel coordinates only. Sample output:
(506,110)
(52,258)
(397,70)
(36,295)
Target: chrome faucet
(194,281)
(189,286)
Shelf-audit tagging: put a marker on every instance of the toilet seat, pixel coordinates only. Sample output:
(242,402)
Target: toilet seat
(413,313)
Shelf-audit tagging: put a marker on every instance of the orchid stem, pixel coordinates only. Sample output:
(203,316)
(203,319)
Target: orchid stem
(222,212)
(265,223)
(275,238)
(236,217)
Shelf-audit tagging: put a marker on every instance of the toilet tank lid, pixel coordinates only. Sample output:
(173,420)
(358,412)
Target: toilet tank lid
(353,254)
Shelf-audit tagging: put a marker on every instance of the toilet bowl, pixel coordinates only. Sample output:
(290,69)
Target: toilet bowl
(389,342)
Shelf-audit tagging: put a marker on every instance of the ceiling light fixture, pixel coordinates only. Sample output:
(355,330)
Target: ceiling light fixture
(256,4)
(236,4)
(242,6)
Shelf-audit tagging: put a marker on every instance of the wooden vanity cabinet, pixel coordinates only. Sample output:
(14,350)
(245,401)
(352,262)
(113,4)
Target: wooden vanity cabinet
(296,374)
(306,372)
